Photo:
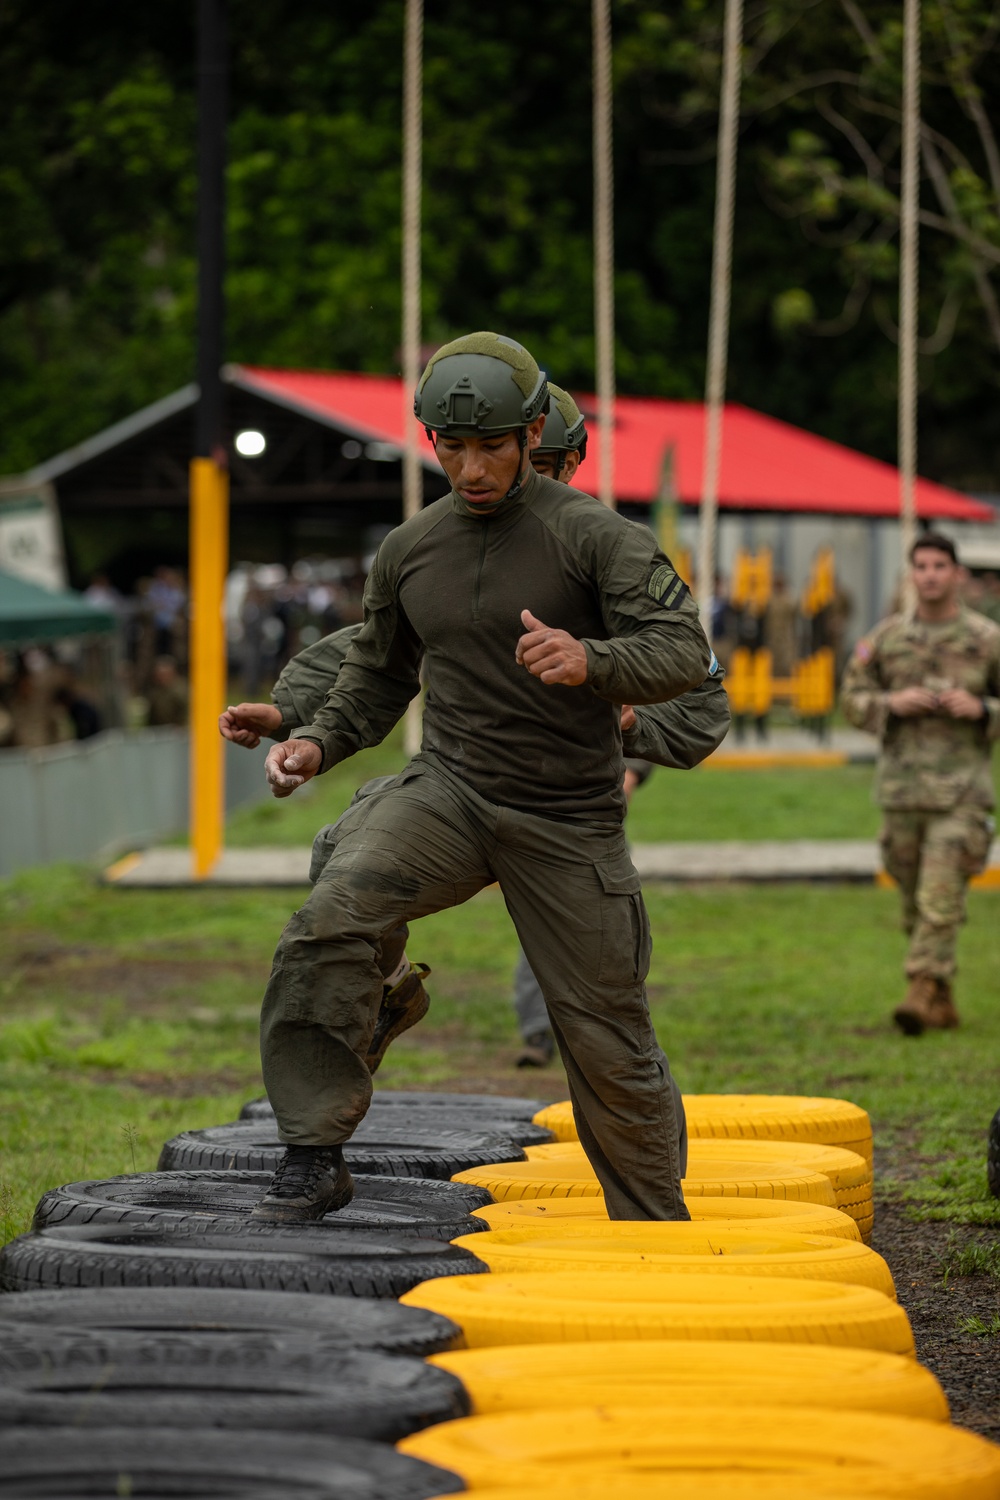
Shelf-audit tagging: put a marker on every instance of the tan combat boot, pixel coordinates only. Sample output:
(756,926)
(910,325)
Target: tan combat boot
(917,1011)
(943,1008)
(402,1007)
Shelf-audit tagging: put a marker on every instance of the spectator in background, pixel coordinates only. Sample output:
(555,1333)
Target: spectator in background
(723,621)
(166,600)
(82,714)
(981,592)
(33,710)
(781,626)
(102,593)
(166,695)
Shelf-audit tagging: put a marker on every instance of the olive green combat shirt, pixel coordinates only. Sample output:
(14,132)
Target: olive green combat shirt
(450,584)
(678,734)
(929,762)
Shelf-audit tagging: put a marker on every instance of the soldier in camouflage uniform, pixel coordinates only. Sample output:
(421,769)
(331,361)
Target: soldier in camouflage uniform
(928,684)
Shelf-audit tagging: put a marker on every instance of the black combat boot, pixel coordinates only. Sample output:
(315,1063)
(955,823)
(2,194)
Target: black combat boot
(402,1007)
(310,1181)
(537,1052)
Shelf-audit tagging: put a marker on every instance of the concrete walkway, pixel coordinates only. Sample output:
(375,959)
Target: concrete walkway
(744,860)
(793,747)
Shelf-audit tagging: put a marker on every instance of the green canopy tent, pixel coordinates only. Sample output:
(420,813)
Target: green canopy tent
(30,615)
(33,616)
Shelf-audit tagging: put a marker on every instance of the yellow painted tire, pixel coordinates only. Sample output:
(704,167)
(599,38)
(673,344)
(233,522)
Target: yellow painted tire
(768,1117)
(780,1117)
(536,1308)
(681,1250)
(559,1119)
(542,1377)
(573,1177)
(577,1215)
(733,1484)
(849,1174)
(892,1456)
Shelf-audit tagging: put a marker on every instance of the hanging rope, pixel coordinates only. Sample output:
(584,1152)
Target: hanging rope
(718,315)
(604,251)
(413,475)
(908,277)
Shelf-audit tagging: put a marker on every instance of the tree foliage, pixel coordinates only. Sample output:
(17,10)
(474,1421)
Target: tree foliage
(97,193)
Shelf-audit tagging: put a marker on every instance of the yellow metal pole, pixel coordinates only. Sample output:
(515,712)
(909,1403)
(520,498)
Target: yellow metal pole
(209,542)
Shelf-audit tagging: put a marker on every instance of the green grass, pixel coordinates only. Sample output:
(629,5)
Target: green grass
(780,803)
(981,1327)
(130,1015)
(976,1258)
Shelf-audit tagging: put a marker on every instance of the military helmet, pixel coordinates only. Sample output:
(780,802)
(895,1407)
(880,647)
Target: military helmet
(480,386)
(565,429)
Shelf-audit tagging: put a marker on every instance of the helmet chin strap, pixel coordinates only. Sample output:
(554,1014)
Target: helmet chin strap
(522,473)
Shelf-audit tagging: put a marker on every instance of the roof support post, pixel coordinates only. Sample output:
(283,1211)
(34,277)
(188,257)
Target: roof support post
(718,316)
(209,480)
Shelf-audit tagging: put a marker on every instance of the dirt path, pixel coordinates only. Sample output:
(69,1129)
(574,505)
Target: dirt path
(967,1365)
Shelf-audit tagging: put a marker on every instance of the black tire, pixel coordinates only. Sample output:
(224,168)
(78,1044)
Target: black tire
(402,1123)
(489,1106)
(381,1152)
(168,1462)
(199,1200)
(273,1259)
(341,1322)
(253,1382)
(993,1156)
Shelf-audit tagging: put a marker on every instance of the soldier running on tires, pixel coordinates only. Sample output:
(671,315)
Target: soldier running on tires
(928,684)
(541,615)
(679,734)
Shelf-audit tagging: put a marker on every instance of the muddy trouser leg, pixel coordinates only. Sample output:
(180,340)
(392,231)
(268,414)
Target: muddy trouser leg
(408,852)
(956,846)
(393,943)
(576,902)
(529,1002)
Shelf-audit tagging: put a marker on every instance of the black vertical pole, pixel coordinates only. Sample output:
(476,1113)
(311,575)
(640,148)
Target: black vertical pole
(213,91)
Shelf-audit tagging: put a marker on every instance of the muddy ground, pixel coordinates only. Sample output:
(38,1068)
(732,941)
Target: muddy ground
(967,1364)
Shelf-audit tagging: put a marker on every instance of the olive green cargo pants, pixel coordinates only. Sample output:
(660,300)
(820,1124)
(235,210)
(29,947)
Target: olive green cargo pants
(426,841)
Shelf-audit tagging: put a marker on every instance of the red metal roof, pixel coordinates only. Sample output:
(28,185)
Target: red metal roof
(766,464)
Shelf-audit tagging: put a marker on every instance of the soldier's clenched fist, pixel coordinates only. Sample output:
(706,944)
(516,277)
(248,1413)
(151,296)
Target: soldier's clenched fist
(289,765)
(553,655)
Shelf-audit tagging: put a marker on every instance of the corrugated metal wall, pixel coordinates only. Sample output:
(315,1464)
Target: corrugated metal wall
(95,798)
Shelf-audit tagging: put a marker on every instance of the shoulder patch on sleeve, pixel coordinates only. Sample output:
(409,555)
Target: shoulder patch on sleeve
(666,588)
(863,651)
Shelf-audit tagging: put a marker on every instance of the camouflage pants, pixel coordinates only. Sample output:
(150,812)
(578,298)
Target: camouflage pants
(425,842)
(932,856)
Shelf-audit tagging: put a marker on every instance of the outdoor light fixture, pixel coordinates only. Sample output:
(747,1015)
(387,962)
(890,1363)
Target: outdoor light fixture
(351,449)
(250,444)
(382,453)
